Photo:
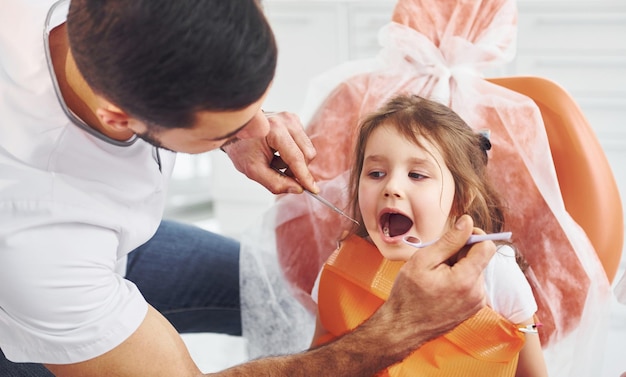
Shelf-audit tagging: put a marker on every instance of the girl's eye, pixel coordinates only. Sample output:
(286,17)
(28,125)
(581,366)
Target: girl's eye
(416,176)
(376,174)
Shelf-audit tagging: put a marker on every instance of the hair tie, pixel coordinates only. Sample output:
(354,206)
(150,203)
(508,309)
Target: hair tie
(483,140)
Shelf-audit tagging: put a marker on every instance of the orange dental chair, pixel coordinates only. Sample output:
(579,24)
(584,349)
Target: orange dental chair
(587,183)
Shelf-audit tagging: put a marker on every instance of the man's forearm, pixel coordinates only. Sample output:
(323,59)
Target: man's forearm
(371,347)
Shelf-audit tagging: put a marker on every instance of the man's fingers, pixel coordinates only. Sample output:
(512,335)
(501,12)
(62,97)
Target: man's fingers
(255,156)
(449,244)
(476,258)
(296,150)
(452,293)
(295,130)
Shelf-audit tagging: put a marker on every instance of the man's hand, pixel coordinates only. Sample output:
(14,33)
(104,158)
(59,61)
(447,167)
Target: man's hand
(430,297)
(286,135)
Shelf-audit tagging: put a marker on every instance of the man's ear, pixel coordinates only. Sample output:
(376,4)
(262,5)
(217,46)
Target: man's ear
(113,118)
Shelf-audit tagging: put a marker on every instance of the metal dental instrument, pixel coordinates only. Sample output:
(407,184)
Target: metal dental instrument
(331,206)
(415,242)
(279,165)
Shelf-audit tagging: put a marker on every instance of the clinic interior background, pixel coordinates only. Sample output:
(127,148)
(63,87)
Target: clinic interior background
(577,43)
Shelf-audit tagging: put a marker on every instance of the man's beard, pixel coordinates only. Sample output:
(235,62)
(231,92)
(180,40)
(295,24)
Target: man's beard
(151,139)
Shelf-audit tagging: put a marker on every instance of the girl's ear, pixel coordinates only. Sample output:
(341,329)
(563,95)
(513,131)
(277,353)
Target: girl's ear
(462,205)
(472,195)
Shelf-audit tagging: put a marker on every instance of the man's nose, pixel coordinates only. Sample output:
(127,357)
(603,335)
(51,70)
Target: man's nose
(258,127)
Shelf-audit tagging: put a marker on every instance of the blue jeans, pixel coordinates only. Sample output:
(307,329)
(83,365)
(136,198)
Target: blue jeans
(188,274)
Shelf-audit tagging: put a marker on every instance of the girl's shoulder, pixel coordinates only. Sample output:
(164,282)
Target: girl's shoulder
(505,250)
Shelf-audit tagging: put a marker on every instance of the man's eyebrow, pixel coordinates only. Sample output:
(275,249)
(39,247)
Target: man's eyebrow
(232,133)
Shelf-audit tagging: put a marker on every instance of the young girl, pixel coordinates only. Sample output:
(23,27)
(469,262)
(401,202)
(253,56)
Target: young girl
(418,167)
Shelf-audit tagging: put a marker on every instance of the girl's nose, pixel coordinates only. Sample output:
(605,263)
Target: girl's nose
(392,189)
(394,194)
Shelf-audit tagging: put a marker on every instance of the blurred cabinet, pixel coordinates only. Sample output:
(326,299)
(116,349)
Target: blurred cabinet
(314,36)
(582,47)
(578,44)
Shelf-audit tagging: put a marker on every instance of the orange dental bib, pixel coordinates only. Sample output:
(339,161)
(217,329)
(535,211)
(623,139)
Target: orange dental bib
(355,282)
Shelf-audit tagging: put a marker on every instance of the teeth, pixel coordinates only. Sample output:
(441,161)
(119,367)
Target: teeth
(386,231)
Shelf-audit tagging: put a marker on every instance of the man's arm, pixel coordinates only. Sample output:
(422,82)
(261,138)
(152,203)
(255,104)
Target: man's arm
(154,349)
(428,299)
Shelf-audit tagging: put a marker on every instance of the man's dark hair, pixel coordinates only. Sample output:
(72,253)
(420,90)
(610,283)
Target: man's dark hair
(163,60)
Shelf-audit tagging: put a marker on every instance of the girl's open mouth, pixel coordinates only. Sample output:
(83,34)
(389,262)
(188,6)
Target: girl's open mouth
(395,224)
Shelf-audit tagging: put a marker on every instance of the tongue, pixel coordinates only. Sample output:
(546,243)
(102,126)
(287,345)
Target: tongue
(398,224)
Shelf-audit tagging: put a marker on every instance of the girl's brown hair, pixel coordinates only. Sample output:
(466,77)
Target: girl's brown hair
(464,153)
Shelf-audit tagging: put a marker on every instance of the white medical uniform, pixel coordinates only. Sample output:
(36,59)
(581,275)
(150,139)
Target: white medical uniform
(73,203)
